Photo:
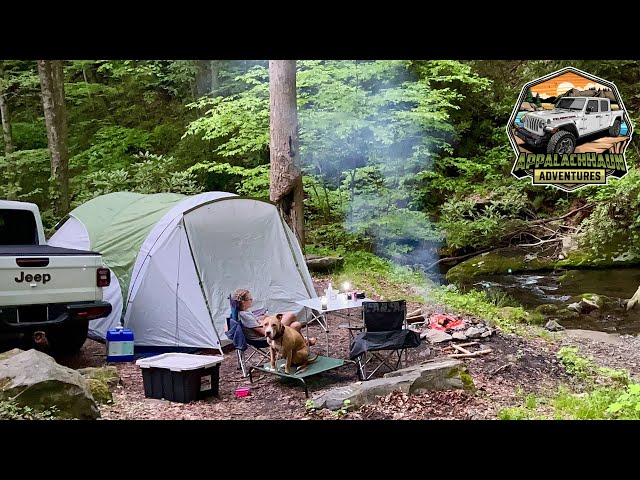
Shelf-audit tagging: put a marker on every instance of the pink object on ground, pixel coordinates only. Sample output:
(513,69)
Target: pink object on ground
(243,391)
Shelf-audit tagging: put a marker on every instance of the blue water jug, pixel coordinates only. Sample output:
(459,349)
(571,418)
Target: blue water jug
(119,345)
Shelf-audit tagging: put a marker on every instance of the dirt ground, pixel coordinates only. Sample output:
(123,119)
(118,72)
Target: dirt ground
(515,365)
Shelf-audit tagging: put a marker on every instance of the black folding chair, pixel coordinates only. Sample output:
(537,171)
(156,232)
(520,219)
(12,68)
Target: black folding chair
(246,349)
(384,339)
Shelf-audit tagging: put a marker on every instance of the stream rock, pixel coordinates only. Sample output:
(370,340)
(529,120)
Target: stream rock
(553,326)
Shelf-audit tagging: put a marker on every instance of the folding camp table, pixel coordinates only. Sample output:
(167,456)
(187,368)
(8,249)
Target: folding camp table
(333,304)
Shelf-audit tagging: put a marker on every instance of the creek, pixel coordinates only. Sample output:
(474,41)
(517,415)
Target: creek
(560,288)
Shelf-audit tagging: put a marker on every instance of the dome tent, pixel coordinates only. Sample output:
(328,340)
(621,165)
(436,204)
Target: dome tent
(175,259)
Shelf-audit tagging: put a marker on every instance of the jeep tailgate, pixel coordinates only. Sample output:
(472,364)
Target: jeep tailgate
(43,274)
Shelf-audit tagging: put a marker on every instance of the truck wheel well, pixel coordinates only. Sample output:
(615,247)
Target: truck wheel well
(571,129)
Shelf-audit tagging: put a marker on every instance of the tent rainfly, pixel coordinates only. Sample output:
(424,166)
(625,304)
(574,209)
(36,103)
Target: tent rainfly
(175,259)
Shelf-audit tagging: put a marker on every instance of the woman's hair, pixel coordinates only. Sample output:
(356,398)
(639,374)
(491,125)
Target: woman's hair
(240,295)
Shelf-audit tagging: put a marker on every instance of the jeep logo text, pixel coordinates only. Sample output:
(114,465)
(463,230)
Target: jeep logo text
(44,278)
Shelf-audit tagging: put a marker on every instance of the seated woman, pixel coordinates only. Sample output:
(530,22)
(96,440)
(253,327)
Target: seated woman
(252,324)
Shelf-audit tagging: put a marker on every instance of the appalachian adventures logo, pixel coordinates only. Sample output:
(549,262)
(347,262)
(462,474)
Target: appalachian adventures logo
(569,129)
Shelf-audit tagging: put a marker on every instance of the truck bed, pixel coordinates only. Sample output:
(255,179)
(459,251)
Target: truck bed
(35,250)
(62,275)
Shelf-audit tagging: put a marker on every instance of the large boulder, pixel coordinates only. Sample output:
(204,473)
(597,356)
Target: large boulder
(34,379)
(446,374)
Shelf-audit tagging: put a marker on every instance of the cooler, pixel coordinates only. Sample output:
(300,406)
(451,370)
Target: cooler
(119,345)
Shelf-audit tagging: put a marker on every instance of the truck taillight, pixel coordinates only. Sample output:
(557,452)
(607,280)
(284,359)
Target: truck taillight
(90,312)
(103,277)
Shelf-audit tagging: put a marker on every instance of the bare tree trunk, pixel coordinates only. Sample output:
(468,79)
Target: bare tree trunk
(207,77)
(286,169)
(5,116)
(203,77)
(52,85)
(214,67)
(7,136)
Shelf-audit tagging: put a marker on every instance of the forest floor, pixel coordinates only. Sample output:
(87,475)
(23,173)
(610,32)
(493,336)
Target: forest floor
(517,365)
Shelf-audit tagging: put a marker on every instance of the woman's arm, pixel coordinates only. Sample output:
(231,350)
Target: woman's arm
(259,330)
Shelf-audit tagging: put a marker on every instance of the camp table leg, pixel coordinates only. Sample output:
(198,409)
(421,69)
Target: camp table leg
(320,319)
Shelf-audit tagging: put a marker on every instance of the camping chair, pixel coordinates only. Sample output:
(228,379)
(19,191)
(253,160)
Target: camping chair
(384,339)
(245,349)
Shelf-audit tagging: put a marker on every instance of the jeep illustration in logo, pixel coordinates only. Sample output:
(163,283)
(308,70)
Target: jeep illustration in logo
(569,129)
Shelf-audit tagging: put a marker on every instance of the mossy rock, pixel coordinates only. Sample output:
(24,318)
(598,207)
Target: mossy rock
(594,299)
(107,374)
(535,318)
(547,309)
(564,313)
(619,251)
(499,261)
(100,391)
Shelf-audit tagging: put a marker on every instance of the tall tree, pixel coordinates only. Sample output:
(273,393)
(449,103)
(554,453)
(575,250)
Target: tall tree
(5,114)
(286,170)
(7,134)
(52,85)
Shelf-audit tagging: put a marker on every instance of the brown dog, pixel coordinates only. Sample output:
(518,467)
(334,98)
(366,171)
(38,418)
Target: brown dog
(286,341)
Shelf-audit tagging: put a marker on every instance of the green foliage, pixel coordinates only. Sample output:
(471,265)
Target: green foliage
(252,182)
(617,399)
(616,212)
(576,366)
(382,124)
(113,149)
(29,135)
(240,122)
(342,411)
(25,177)
(589,406)
(481,222)
(627,405)
(10,410)
(149,174)
(310,406)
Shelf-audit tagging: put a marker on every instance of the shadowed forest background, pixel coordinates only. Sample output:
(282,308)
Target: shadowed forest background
(408,160)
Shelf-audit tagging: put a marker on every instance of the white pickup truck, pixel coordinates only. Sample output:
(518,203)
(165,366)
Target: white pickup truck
(558,130)
(48,294)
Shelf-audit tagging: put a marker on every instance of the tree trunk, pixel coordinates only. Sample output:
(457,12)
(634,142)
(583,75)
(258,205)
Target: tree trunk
(214,67)
(203,76)
(5,116)
(52,85)
(207,77)
(286,170)
(7,136)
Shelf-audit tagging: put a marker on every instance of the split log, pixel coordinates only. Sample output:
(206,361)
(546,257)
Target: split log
(474,354)
(466,344)
(460,349)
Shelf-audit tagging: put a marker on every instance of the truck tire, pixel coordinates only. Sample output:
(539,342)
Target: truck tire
(562,142)
(68,339)
(614,130)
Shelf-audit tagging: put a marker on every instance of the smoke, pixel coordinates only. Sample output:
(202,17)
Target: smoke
(364,129)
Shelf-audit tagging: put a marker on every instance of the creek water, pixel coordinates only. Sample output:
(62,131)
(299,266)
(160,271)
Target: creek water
(534,289)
